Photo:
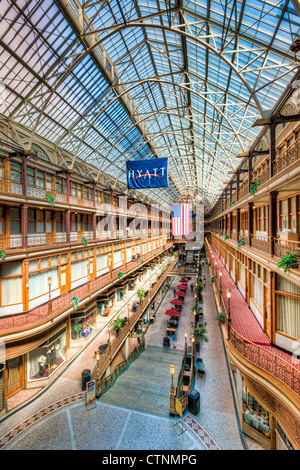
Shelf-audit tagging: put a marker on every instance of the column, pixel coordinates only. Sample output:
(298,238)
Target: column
(94,226)
(68,225)
(272,222)
(250,221)
(230,224)
(24,226)
(272,148)
(237,185)
(238,223)
(24,174)
(249,171)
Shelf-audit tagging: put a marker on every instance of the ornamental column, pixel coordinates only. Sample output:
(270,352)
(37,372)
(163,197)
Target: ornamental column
(272,222)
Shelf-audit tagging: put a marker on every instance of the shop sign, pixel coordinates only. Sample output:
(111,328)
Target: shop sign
(91,394)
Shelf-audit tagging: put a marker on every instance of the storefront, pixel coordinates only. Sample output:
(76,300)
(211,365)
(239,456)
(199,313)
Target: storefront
(82,324)
(255,417)
(105,302)
(46,359)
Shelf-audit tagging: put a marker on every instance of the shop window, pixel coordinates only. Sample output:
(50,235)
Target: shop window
(60,222)
(254,415)
(82,326)
(60,185)
(15,220)
(15,172)
(88,193)
(43,361)
(282,441)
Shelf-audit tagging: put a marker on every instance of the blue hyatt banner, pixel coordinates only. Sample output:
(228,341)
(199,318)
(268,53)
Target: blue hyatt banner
(142,174)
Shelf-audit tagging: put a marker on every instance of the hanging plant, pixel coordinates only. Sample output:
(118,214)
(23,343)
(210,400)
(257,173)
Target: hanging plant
(289,261)
(175,254)
(84,241)
(2,254)
(50,199)
(212,279)
(154,254)
(230,204)
(120,274)
(240,242)
(217,213)
(226,237)
(142,261)
(221,317)
(208,264)
(120,238)
(254,187)
(75,302)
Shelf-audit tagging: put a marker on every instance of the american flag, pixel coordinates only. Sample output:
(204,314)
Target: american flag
(180,219)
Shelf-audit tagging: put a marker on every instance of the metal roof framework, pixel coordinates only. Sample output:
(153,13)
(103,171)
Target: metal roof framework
(109,81)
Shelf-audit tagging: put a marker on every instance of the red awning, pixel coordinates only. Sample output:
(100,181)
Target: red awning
(180,293)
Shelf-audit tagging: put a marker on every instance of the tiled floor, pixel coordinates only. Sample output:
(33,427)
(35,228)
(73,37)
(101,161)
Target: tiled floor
(58,419)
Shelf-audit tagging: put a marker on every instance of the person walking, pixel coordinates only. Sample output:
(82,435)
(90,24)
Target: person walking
(192,287)
(174,291)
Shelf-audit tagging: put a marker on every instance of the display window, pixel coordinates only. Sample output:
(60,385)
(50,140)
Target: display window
(282,441)
(254,415)
(45,360)
(83,325)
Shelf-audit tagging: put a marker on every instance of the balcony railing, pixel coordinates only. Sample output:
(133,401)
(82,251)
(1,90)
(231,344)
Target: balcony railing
(287,371)
(286,247)
(50,310)
(264,358)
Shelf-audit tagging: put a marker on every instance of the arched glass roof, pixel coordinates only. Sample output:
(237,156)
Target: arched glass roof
(115,80)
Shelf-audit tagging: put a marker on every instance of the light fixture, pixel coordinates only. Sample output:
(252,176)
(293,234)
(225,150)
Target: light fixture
(228,293)
(172,369)
(97,355)
(220,273)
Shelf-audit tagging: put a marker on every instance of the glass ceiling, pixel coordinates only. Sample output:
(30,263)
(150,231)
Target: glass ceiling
(110,81)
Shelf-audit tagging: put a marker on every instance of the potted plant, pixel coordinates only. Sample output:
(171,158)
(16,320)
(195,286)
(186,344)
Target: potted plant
(212,279)
(226,237)
(2,254)
(117,324)
(200,335)
(84,241)
(141,294)
(120,274)
(240,242)
(50,199)
(288,262)
(75,302)
(221,317)
(77,328)
(254,187)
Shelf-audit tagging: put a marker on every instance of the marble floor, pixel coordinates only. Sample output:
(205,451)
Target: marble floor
(58,418)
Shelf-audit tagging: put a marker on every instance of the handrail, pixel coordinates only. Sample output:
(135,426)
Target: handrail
(114,345)
(43,314)
(109,381)
(267,360)
(262,357)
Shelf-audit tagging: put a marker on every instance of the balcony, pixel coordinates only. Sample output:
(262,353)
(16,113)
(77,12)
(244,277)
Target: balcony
(56,307)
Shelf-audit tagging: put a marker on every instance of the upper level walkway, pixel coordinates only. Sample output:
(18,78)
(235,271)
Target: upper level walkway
(248,337)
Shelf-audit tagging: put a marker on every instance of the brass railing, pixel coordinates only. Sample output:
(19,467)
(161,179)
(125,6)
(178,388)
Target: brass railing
(286,247)
(115,344)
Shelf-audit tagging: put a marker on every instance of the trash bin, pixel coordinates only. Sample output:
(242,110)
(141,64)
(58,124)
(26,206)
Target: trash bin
(86,377)
(194,402)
